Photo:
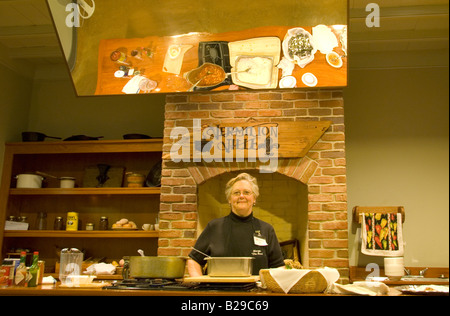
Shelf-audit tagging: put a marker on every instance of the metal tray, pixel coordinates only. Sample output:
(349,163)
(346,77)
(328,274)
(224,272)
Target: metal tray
(229,266)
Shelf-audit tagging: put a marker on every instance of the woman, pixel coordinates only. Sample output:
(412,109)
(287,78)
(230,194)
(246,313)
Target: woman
(239,234)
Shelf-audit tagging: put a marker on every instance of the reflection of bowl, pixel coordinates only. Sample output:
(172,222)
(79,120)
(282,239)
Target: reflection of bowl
(334,60)
(298,31)
(210,75)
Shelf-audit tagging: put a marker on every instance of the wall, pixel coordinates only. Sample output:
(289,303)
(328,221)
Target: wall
(397,154)
(14,107)
(57,111)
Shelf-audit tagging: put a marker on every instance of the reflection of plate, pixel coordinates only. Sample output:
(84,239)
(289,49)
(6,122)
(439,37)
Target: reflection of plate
(424,289)
(288,82)
(309,79)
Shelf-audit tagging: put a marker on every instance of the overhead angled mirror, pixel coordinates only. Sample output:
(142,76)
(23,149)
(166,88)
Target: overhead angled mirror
(116,47)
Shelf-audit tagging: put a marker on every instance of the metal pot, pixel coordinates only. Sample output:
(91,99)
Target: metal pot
(156,267)
(29,181)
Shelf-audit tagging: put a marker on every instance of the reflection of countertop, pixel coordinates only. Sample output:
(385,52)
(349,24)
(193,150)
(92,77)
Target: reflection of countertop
(167,82)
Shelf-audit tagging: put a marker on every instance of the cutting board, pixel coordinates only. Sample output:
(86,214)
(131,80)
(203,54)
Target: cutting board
(209,279)
(257,47)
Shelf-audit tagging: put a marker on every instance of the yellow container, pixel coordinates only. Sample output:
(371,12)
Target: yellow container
(72,221)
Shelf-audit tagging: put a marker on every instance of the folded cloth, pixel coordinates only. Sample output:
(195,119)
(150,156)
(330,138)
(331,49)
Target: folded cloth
(287,278)
(360,288)
(101,269)
(382,234)
(324,39)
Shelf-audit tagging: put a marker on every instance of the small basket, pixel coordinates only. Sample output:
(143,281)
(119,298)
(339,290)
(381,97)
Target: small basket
(312,282)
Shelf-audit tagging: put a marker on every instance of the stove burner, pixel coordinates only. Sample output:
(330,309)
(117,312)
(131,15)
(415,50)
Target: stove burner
(215,52)
(147,284)
(173,285)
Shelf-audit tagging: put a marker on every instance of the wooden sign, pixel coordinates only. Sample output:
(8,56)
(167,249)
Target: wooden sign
(240,141)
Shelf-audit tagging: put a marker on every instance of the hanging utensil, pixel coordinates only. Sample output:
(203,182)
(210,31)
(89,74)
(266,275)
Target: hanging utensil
(195,84)
(207,256)
(46,175)
(238,72)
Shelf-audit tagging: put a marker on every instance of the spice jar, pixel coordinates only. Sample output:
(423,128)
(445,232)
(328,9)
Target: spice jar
(89,226)
(103,223)
(58,223)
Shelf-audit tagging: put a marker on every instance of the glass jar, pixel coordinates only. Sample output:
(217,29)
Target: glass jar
(41,221)
(89,226)
(103,223)
(58,223)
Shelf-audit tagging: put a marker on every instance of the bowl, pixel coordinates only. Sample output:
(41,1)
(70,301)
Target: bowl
(229,266)
(302,61)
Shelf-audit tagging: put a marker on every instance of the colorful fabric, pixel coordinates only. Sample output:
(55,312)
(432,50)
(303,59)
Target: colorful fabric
(382,234)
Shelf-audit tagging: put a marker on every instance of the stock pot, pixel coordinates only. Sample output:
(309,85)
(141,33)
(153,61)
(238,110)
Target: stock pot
(155,267)
(27,180)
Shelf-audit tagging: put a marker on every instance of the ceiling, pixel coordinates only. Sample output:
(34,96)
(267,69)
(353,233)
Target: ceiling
(412,33)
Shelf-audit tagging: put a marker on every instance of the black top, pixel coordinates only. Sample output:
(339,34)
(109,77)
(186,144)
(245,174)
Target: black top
(235,236)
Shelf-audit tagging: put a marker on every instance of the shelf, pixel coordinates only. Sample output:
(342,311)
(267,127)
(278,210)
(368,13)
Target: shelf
(72,147)
(80,234)
(87,191)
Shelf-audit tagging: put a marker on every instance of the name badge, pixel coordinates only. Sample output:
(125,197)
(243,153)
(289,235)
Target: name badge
(259,240)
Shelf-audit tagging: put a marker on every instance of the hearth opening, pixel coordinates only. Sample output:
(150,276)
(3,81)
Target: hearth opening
(283,203)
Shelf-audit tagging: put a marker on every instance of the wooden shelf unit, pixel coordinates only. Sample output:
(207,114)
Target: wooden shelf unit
(71,158)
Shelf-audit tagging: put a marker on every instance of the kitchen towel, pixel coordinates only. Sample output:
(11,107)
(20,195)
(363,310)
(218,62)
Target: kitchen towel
(361,288)
(382,234)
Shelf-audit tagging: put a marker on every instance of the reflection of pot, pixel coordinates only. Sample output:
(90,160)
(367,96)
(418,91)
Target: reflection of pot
(29,181)
(210,75)
(156,267)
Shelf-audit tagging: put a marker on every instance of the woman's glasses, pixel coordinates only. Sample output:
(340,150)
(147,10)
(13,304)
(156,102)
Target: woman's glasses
(244,193)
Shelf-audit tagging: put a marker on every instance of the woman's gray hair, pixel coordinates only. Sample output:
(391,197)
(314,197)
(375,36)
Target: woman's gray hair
(239,177)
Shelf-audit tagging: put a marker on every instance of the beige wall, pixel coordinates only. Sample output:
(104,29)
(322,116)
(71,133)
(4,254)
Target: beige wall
(14,107)
(396,130)
(57,111)
(397,154)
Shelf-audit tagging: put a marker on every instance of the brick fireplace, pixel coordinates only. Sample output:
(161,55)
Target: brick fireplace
(304,199)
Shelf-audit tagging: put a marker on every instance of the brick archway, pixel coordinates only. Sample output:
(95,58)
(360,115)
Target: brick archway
(322,170)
